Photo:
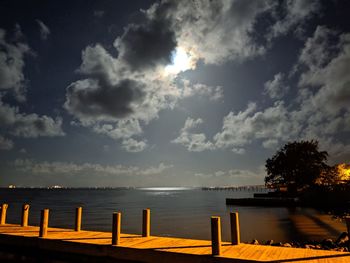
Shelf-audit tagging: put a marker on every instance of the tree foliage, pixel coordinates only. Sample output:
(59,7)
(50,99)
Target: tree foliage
(296,166)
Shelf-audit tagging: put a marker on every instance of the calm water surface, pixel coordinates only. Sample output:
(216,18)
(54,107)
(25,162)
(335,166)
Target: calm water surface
(180,212)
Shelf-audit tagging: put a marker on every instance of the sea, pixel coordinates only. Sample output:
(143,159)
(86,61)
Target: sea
(175,211)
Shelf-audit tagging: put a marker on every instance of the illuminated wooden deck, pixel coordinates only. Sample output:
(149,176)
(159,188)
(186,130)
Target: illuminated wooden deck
(156,249)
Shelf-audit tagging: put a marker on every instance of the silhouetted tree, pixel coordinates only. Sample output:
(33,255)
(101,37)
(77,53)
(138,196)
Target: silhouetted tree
(296,166)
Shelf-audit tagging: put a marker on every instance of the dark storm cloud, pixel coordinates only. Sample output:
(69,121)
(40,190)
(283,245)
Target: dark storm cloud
(103,99)
(105,94)
(148,45)
(111,91)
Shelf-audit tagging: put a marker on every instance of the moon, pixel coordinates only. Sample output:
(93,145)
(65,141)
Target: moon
(181,61)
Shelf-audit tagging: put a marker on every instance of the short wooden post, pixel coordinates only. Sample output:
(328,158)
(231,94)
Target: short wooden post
(25,213)
(235,234)
(44,222)
(347,221)
(116,225)
(3,214)
(78,212)
(215,235)
(146,223)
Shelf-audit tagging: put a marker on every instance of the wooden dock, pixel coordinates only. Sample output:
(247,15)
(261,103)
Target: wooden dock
(156,249)
(147,248)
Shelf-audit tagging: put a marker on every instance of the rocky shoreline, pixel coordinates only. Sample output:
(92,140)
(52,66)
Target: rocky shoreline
(341,244)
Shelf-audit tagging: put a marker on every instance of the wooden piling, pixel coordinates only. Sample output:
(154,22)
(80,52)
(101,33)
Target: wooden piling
(146,222)
(235,232)
(116,226)
(44,222)
(347,221)
(215,235)
(3,214)
(78,213)
(25,213)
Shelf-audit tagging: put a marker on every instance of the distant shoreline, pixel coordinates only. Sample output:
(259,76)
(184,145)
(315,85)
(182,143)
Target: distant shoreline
(247,187)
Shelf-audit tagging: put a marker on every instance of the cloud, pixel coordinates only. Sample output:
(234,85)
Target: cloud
(44,30)
(270,143)
(12,79)
(319,111)
(194,142)
(215,31)
(28,125)
(5,144)
(324,86)
(134,85)
(219,31)
(124,129)
(232,177)
(237,173)
(327,73)
(11,66)
(87,99)
(112,92)
(318,50)
(18,34)
(296,12)
(99,13)
(326,62)
(131,145)
(136,76)
(199,89)
(273,123)
(276,88)
(113,95)
(154,170)
(34,167)
(23,151)
(146,45)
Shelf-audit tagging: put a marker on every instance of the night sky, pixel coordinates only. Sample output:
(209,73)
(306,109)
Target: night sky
(168,93)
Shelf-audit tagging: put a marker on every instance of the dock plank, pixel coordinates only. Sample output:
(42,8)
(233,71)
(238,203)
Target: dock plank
(161,249)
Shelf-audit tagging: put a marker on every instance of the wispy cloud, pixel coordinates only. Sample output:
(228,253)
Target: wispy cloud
(5,144)
(34,167)
(44,30)
(276,88)
(99,13)
(194,142)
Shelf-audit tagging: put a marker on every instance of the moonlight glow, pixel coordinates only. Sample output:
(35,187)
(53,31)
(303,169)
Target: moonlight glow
(182,61)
